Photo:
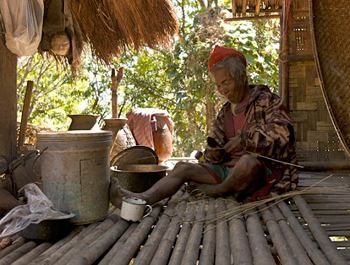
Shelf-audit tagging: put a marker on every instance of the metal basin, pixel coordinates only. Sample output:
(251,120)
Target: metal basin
(48,229)
(137,177)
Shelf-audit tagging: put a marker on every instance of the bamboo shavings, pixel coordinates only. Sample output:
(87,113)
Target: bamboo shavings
(235,211)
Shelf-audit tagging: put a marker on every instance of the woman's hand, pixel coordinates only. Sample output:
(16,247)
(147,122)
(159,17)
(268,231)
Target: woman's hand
(233,145)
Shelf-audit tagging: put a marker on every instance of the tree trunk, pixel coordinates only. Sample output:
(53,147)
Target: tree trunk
(8,103)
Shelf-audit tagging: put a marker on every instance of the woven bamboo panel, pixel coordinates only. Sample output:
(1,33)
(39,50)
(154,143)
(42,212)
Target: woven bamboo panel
(299,32)
(315,134)
(331,41)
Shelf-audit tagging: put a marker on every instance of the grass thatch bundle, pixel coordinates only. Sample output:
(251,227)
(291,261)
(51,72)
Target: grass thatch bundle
(114,25)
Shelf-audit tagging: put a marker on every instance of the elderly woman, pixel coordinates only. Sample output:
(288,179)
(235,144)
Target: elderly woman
(251,151)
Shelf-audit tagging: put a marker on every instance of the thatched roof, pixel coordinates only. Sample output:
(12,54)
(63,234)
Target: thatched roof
(111,26)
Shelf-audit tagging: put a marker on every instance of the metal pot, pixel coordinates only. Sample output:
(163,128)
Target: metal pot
(137,177)
(50,229)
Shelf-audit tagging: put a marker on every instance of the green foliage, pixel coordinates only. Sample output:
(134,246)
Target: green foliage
(176,81)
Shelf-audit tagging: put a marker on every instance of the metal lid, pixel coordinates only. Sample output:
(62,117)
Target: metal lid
(138,154)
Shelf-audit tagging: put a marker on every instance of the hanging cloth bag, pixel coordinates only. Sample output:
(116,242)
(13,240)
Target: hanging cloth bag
(23,20)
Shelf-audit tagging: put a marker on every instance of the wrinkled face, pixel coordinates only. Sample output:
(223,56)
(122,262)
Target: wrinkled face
(228,87)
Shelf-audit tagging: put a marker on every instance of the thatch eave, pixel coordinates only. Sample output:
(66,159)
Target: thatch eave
(111,27)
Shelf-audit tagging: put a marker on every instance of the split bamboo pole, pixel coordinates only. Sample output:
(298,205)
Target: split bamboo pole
(297,249)
(278,240)
(97,248)
(239,242)
(222,252)
(319,234)
(310,247)
(55,246)
(147,252)
(132,245)
(258,244)
(118,245)
(163,252)
(185,231)
(207,256)
(63,246)
(192,247)
(82,244)
(15,255)
(31,255)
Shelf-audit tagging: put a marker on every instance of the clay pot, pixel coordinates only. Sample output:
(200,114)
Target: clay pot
(121,135)
(162,140)
(82,121)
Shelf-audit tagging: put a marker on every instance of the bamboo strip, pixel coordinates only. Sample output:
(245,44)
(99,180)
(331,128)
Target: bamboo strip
(147,252)
(162,254)
(260,250)
(279,242)
(297,249)
(28,257)
(84,242)
(223,253)
(192,248)
(13,256)
(55,246)
(54,256)
(185,231)
(240,248)
(15,245)
(327,206)
(118,245)
(319,234)
(132,245)
(311,249)
(207,256)
(90,254)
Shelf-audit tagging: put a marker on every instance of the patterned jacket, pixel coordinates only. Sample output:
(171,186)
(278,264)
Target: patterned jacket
(269,133)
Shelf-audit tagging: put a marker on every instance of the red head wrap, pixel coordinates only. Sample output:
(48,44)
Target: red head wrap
(222,52)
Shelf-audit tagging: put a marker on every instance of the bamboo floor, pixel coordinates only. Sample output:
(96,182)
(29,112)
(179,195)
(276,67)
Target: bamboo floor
(190,230)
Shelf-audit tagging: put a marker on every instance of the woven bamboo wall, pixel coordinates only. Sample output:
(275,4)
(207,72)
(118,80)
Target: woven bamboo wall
(315,135)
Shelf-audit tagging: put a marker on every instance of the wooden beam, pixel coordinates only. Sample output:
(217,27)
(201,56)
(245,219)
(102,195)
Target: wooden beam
(265,11)
(252,18)
(25,113)
(115,83)
(8,106)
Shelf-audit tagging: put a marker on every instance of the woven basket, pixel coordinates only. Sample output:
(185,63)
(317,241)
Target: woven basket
(331,45)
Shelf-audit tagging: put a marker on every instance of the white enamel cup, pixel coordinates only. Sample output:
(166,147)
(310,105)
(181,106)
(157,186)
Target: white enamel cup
(133,209)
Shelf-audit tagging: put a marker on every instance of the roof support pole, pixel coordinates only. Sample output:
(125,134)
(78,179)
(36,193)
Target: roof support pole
(8,106)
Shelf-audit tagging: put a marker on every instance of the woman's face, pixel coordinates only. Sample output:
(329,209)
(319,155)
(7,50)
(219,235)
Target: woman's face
(228,87)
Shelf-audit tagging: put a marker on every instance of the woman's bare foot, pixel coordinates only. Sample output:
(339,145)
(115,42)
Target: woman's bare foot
(116,193)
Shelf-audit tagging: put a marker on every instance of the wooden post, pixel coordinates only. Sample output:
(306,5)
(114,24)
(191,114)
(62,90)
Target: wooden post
(8,106)
(115,84)
(284,67)
(25,113)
